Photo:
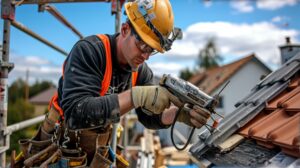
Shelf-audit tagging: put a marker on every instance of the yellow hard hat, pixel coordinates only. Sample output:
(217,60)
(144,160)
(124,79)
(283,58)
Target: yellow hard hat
(153,21)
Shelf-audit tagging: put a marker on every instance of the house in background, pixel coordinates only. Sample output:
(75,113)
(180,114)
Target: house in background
(264,130)
(41,100)
(243,74)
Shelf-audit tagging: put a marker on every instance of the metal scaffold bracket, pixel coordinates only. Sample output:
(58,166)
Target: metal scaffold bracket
(7,65)
(8,10)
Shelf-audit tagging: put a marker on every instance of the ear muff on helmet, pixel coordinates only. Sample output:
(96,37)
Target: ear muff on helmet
(153,21)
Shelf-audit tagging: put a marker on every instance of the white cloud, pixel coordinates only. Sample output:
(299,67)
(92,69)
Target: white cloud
(207,3)
(262,38)
(274,4)
(277,19)
(35,60)
(246,6)
(39,69)
(281,21)
(242,6)
(160,68)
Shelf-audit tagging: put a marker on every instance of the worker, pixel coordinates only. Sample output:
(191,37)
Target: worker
(105,76)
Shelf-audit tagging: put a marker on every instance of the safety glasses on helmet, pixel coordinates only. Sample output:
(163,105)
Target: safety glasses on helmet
(141,45)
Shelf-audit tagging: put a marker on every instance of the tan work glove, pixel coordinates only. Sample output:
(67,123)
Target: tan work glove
(152,98)
(195,117)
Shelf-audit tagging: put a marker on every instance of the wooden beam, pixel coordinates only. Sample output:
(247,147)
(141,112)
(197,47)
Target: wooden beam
(230,143)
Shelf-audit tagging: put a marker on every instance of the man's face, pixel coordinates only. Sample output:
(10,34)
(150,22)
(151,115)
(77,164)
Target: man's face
(137,50)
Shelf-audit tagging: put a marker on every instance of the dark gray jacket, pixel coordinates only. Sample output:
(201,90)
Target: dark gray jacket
(79,89)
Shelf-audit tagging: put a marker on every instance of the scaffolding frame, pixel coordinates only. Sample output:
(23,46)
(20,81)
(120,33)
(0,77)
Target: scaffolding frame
(8,15)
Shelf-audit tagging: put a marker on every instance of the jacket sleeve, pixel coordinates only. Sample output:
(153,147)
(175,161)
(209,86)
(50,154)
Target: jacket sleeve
(150,121)
(81,101)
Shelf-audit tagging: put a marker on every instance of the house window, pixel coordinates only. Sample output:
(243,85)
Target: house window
(221,102)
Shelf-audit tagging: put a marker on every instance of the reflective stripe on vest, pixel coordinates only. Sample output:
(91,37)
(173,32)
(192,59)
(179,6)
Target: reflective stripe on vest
(106,79)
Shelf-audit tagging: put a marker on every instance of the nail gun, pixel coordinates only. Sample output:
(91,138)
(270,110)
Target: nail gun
(189,95)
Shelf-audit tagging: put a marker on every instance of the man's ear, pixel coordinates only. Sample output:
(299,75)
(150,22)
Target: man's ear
(125,29)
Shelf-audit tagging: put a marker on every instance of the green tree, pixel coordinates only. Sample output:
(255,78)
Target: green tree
(19,109)
(186,74)
(39,86)
(208,57)
(16,90)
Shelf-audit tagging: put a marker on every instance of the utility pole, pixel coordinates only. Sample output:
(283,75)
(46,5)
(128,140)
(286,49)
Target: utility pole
(118,17)
(27,86)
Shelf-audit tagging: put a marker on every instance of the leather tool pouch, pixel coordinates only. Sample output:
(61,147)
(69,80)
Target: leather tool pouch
(102,158)
(88,140)
(70,158)
(41,146)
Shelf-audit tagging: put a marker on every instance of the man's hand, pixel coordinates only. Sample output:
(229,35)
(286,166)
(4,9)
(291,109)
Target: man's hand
(196,117)
(152,98)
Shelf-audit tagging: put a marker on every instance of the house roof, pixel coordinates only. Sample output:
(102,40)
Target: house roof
(271,109)
(211,79)
(43,97)
(278,125)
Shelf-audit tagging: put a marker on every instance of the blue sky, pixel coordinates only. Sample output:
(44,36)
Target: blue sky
(239,27)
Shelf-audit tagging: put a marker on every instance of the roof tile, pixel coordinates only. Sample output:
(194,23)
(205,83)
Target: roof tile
(279,123)
(244,130)
(292,104)
(287,135)
(43,97)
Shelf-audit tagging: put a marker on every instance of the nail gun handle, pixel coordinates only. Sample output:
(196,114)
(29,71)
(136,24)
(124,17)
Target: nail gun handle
(184,108)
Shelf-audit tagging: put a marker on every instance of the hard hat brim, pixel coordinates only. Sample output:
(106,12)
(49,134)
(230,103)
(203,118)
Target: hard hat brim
(138,28)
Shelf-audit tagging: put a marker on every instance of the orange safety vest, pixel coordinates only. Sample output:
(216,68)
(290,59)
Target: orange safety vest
(105,81)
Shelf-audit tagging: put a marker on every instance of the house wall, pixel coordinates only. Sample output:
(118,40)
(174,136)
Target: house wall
(288,52)
(39,109)
(240,85)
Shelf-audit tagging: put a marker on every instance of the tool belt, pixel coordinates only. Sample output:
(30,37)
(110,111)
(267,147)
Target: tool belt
(56,146)
(89,140)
